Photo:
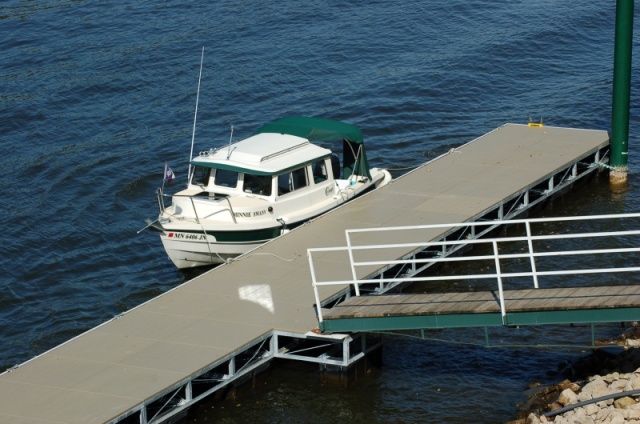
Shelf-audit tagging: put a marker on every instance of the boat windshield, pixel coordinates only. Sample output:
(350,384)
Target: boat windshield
(291,181)
(201,176)
(225,178)
(319,171)
(257,184)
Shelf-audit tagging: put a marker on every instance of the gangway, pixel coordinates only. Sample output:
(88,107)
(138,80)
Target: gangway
(537,271)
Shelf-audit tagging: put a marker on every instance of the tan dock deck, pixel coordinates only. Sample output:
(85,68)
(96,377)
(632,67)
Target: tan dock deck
(568,305)
(115,367)
(487,302)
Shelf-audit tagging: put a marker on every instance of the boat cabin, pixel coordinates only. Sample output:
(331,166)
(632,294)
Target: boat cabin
(282,157)
(265,164)
(251,191)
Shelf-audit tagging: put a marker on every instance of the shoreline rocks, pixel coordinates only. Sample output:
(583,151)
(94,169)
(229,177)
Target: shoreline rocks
(602,387)
(604,399)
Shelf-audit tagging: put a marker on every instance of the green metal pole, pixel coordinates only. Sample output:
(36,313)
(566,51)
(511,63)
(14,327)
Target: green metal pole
(621,91)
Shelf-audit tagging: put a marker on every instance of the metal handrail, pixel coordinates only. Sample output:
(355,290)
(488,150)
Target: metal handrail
(159,195)
(191,198)
(495,256)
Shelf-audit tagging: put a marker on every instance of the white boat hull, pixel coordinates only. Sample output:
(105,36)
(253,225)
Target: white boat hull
(188,247)
(191,253)
(243,194)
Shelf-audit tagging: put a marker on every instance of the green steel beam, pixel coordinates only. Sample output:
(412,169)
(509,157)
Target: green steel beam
(343,325)
(574,317)
(395,323)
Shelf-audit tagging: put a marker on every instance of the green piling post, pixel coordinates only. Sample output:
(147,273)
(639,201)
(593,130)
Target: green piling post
(621,92)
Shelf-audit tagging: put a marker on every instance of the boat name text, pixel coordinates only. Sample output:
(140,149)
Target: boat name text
(250,214)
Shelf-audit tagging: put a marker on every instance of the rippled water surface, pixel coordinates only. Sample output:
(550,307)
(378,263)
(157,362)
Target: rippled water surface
(96,96)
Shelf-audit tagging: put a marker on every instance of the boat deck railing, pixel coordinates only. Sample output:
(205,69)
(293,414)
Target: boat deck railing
(518,260)
(161,195)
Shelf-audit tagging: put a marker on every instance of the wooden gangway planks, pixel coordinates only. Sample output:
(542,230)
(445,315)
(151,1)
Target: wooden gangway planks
(114,370)
(482,308)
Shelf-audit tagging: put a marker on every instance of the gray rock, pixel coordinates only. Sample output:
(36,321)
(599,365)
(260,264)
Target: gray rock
(624,402)
(632,413)
(633,383)
(618,385)
(609,378)
(567,397)
(596,385)
(534,419)
(616,416)
(602,415)
(591,409)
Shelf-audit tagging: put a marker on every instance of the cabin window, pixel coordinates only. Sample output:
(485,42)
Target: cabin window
(319,171)
(257,184)
(224,178)
(299,178)
(201,176)
(291,181)
(335,166)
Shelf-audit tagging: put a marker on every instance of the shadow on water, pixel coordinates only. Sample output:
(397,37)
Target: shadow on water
(191,273)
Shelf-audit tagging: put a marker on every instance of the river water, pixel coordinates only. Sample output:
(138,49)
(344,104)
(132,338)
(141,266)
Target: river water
(96,96)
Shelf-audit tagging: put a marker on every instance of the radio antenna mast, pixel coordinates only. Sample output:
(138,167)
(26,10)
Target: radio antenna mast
(195,116)
(230,140)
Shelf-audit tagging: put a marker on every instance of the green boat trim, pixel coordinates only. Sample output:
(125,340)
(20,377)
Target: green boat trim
(327,130)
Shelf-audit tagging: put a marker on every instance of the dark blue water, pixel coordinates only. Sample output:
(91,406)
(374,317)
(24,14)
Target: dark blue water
(96,96)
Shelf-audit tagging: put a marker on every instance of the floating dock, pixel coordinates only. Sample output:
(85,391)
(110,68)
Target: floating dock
(156,360)
(572,305)
(481,308)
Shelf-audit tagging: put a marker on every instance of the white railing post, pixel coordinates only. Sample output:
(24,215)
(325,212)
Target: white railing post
(532,258)
(496,255)
(352,263)
(315,286)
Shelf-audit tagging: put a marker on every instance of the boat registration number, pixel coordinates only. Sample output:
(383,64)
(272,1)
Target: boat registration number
(187,236)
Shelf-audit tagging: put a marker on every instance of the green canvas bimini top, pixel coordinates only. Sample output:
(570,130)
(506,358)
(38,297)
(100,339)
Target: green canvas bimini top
(314,129)
(321,129)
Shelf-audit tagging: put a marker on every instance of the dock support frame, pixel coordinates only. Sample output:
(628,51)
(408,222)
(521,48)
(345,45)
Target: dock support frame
(337,351)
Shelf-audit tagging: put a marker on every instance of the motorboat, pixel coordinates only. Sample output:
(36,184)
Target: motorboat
(248,192)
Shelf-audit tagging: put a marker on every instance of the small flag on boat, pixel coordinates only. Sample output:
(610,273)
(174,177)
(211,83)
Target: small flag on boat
(168,173)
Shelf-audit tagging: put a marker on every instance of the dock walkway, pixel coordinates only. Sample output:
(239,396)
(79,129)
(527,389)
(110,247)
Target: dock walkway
(482,309)
(154,353)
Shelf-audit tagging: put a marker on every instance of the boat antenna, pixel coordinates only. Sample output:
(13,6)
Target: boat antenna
(195,116)
(230,139)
